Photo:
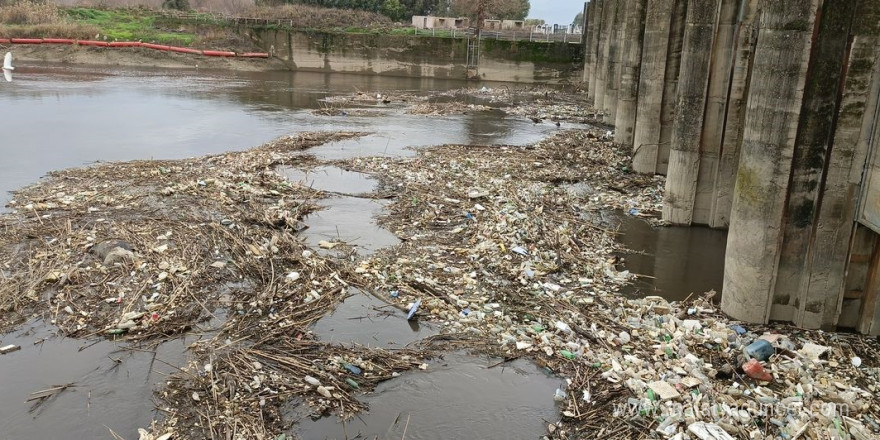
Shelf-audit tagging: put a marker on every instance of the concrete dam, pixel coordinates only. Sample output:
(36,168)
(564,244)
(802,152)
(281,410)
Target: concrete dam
(765,117)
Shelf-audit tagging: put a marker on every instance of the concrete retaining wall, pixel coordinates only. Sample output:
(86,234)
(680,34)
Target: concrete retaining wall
(369,54)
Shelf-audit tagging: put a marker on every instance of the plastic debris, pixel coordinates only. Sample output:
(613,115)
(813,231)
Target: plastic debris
(9,348)
(709,431)
(520,250)
(353,369)
(755,370)
(559,395)
(664,390)
(413,309)
(760,350)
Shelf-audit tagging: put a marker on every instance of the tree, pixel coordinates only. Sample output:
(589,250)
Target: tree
(393,10)
(180,5)
(578,19)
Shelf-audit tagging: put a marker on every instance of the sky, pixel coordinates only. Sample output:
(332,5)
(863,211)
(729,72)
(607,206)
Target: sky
(556,11)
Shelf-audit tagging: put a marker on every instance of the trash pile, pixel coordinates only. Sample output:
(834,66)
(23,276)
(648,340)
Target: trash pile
(378,97)
(142,250)
(540,104)
(340,111)
(136,250)
(500,251)
(446,108)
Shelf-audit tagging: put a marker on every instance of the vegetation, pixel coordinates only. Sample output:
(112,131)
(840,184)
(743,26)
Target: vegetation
(134,24)
(35,19)
(403,9)
(492,9)
(578,19)
(313,17)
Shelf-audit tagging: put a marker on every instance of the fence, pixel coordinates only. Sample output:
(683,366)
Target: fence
(507,35)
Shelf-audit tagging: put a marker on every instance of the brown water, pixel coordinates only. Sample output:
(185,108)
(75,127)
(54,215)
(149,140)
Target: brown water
(112,385)
(457,397)
(58,116)
(366,320)
(674,261)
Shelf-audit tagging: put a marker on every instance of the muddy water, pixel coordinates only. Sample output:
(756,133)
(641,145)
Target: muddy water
(112,386)
(675,261)
(366,320)
(458,397)
(61,116)
(345,217)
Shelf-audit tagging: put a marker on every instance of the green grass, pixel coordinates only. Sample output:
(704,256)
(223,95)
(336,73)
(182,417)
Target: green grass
(132,25)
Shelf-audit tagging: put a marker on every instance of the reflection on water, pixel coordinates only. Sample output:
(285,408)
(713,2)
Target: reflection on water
(60,116)
(105,394)
(677,261)
(459,397)
(365,320)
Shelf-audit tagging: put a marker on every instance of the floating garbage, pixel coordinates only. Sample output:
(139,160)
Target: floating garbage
(413,309)
(559,395)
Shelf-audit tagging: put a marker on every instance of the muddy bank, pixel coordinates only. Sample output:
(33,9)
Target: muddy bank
(136,57)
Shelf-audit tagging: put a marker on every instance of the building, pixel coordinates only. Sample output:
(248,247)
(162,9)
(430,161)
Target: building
(430,22)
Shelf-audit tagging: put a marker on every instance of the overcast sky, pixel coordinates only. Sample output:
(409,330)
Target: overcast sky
(556,11)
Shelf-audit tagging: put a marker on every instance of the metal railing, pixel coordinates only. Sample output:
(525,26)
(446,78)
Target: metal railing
(504,35)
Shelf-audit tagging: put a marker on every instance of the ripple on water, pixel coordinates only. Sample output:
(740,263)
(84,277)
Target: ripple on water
(331,179)
(458,397)
(365,320)
(105,395)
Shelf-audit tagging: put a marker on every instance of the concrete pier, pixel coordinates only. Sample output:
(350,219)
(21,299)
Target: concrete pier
(628,93)
(765,116)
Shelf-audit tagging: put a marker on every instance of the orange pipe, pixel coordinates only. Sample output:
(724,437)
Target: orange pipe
(93,43)
(217,53)
(154,46)
(125,44)
(27,41)
(184,50)
(5,41)
(254,55)
(57,41)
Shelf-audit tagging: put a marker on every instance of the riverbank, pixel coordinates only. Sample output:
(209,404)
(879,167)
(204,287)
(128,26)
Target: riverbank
(136,57)
(498,248)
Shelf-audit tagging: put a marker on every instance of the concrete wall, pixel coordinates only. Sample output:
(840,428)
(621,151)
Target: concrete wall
(517,61)
(431,22)
(767,113)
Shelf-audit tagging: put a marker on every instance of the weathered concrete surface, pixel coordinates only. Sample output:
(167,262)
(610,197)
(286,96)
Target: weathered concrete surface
(615,60)
(781,61)
(628,93)
(685,155)
(589,34)
(519,61)
(646,136)
(595,32)
(670,86)
(744,42)
(606,34)
(710,182)
(768,112)
(813,144)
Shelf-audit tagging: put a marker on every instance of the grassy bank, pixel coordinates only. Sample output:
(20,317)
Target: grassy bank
(31,19)
(134,24)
